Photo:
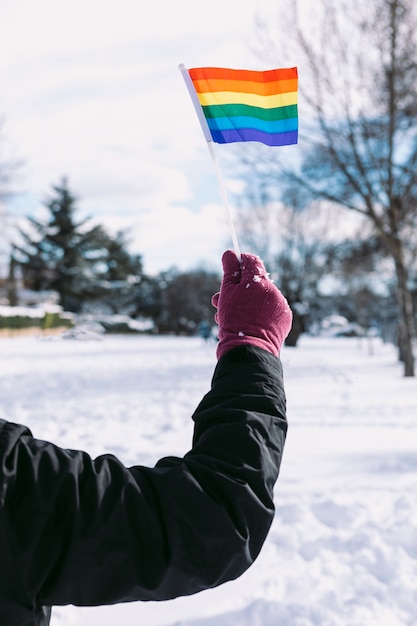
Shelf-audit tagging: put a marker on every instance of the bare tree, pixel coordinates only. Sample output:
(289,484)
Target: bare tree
(358,105)
(292,239)
(8,168)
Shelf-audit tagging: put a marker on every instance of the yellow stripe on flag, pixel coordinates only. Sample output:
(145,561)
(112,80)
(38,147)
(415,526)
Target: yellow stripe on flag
(233,97)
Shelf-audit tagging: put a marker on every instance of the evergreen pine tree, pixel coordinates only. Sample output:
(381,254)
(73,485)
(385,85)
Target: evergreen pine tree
(65,255)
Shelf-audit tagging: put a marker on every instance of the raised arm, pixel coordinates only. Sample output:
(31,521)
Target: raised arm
(74,530)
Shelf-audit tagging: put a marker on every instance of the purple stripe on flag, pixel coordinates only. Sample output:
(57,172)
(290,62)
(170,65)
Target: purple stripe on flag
(251,134)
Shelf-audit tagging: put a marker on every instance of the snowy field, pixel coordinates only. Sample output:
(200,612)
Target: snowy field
(342,550)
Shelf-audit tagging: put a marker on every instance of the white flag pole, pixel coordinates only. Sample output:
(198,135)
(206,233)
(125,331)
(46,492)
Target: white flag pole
(208,137)
(225,201)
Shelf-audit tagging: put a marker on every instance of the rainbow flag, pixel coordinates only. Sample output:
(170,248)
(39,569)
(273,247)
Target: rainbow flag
(246,105)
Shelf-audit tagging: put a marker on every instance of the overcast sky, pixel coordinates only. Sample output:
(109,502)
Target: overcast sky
(90,90)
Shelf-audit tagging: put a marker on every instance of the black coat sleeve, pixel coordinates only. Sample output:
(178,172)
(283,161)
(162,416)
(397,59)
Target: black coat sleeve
(79,531)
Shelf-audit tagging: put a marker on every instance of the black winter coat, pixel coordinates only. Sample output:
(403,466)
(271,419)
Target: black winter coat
(89,532)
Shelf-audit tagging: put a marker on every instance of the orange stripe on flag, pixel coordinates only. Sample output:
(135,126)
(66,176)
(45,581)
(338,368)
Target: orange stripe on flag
(246,86)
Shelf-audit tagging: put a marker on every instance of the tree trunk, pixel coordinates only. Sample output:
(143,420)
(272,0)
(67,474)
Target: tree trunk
(11,282)
(296,331)
(407,331)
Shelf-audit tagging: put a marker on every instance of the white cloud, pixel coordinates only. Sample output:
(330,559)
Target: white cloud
(175,236)
(91,90)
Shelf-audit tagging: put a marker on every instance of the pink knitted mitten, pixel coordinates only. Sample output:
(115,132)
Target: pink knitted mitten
(250,308)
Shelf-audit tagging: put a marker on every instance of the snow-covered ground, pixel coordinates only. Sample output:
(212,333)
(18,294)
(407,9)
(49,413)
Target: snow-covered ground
(342,550)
